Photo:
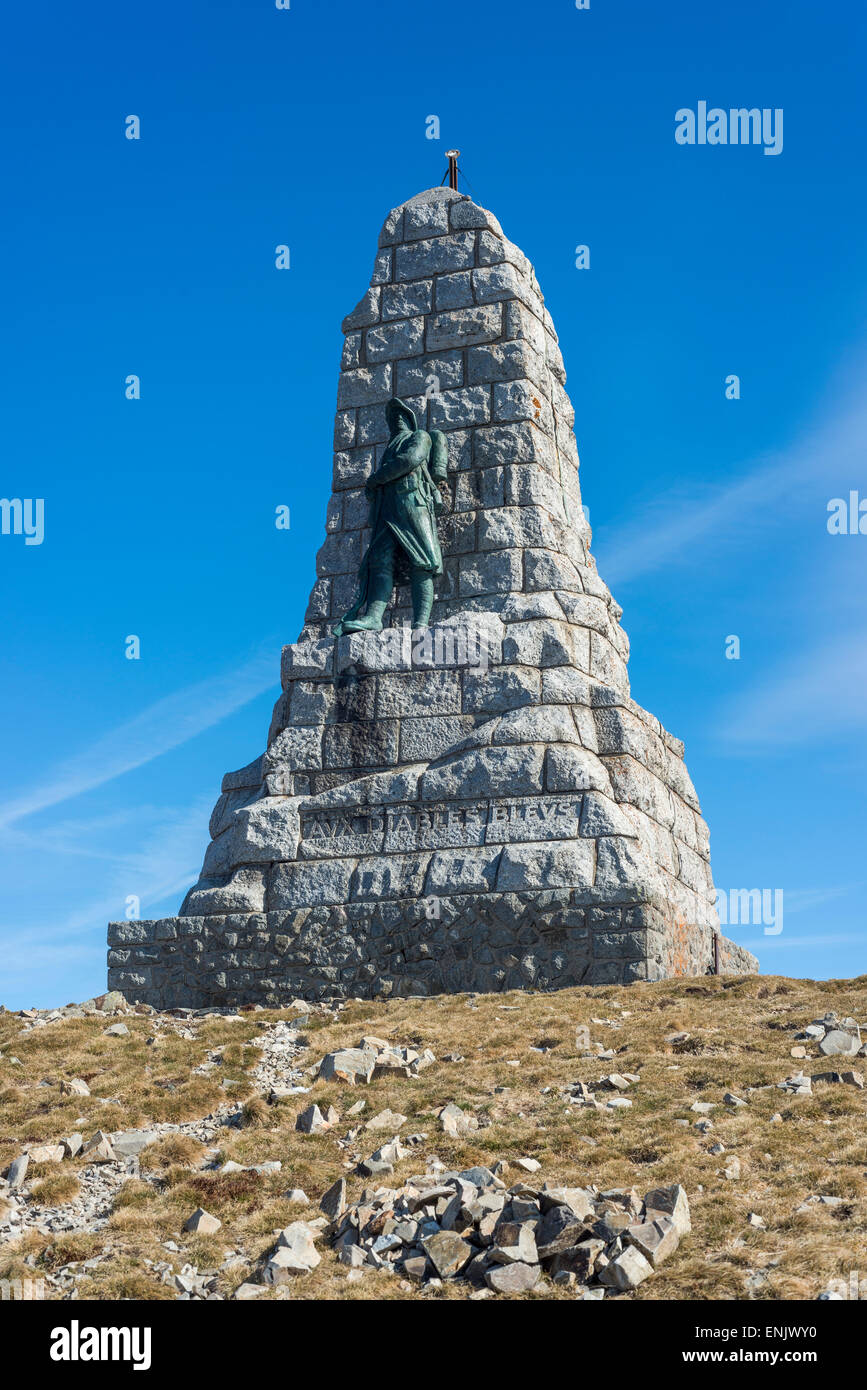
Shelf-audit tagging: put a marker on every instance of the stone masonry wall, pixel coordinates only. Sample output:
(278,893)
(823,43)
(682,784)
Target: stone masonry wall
(482,805)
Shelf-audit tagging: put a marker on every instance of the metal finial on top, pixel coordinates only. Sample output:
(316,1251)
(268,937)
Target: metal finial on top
(452,157)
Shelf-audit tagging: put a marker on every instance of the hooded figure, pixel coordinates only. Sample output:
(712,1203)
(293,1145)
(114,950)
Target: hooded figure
(405,502)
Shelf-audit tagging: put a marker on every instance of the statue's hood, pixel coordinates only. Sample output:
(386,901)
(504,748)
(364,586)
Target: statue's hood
(398,409)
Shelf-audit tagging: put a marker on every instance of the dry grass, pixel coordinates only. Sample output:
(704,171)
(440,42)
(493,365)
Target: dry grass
(56,1188)
(741,1035)
(255,1113)
(173,1149)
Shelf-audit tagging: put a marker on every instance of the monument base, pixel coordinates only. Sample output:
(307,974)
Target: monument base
(546,940)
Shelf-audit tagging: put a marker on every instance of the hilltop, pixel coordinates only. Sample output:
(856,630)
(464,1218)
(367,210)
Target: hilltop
(133,1121)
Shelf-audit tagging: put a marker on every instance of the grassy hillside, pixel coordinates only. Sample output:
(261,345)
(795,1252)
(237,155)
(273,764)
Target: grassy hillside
(517,1054)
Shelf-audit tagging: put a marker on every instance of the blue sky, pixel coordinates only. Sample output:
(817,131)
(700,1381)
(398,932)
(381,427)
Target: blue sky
(304,126)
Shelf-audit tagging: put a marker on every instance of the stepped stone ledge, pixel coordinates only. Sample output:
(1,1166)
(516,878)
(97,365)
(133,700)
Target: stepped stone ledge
(474,805)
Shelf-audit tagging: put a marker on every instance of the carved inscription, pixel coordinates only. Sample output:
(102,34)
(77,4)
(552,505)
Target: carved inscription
(347,831)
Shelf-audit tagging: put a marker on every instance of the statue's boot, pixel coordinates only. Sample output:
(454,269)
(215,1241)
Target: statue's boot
(380,592)
(371,622)
(422,598)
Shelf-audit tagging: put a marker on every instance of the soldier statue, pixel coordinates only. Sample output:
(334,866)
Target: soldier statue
(405,501)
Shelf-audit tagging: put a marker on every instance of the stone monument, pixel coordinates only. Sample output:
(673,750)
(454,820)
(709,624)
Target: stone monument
(473,803)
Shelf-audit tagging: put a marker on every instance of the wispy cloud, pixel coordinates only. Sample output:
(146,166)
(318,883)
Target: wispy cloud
(164,864)
(679,521)
(164,725)
(763,944)
(806,899)
(818,696)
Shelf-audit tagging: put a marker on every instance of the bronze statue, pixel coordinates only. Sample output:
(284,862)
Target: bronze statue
(405,501)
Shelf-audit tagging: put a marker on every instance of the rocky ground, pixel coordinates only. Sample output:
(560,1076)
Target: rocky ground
(687,1139)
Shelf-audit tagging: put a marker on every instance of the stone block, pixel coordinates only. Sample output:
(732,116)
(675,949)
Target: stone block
(504,362)
(460,409)
(568,768)
(405,301)
(462,871)
(366,386)
(403,338)
(425,219)
(389,876)
(465,213)
(454,291)
(365,312)
(559,864)
(495,572)
(365,745)
(352,468)
(485,771)
(430,375)
(461,328)
(519,400)
(501,689)
(309,884)
(425,738)
(438,692)
(435,256)
(498,282)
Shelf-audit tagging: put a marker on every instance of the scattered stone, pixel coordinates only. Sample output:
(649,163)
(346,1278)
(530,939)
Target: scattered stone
(76,1087)
(670,1201)
(132,1142)
(445,1225)
(299,1239)
(731,1099)
(312,1121)
(656,1239)
(47,1153)
(797,1085)
(358,1065)
(530,1165)
(17,1171)
(733,1171)
(298,1196)
(837,1043)
(387,1119)
(202,1223)
(512,1278)
(447,1252)
(99,1149)
(295,1254)
(353,1065)
(109,1003)
(455,1122)
(845,1078)
(627,1270)
(516,1242)
(819,1199)
(117,1030)
(383,1160)
(333,1201)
